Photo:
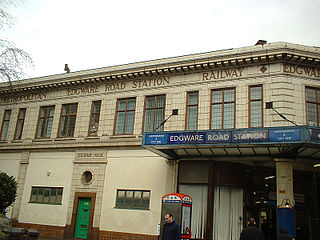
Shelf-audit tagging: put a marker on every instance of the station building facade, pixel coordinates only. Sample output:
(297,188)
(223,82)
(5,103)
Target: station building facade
(93,157)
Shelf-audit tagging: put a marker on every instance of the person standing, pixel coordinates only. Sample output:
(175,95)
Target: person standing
(251,232)
(283,234)
(171,229)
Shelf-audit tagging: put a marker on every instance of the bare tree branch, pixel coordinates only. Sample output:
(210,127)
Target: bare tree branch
(13,60)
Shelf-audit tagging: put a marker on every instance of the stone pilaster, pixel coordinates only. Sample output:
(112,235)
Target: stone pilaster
(284,181)
(24,163)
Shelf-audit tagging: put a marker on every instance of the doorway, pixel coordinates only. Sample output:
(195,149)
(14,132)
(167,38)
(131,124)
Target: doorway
(82,224)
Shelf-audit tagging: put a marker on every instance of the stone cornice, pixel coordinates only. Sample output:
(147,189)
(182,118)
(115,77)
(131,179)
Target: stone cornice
(247,56)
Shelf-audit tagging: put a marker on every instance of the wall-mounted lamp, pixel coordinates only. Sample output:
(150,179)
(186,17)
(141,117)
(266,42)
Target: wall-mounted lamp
(269,105)
(174,112)
(286,203)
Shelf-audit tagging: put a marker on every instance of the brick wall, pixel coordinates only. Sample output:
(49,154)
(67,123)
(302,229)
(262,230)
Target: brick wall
(45,230)
(108,235)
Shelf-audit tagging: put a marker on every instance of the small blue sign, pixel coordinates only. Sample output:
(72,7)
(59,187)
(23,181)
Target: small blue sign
(218,137)
(156,139)
(187,138)
(250,136)
(284,135)
(315,135)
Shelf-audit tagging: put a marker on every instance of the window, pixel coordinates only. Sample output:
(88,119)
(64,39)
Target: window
(125,116)
(47,195)
(255,106)
(313,106)
(133,199)
(154,112)
(68,120)
(94,118)
(5,125)
(20,123)
(223,108)
(192,110)
(45,122)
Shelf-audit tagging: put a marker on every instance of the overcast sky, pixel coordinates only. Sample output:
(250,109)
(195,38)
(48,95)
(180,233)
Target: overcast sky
(100,33)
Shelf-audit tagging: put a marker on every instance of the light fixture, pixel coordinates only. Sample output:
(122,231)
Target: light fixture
(174,112)
(285,203)
(269,177)
(316,165)
(269,105)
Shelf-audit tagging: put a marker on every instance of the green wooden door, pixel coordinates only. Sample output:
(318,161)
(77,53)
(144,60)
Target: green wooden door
(82,225)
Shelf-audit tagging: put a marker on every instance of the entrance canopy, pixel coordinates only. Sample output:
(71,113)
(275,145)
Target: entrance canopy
(298,143)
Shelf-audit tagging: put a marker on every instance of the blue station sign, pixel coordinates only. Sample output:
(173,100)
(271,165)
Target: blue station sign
(284,135)
(266,135)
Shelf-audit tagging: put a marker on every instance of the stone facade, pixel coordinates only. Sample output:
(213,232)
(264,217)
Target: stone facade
(119,161)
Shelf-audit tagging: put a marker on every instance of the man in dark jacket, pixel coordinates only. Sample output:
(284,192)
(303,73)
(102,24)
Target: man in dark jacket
(171,229)
(251,232)
(283,234)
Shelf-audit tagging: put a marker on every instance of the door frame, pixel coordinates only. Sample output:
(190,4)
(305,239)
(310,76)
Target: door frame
(77,196)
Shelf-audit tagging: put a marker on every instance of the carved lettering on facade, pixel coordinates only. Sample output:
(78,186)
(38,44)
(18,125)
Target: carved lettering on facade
(222,74)
(115,86)
(301,70)
(24,97)
(150,83)
(90,155)
(82,90)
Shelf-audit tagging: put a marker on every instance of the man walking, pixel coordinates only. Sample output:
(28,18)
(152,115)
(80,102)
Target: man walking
(251,232)
(171,229)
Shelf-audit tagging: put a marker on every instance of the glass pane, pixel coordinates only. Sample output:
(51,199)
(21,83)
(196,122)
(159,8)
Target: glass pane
(145,200)
(72,123)
(120,122)
(74,108)
(40,195)
(22,113)
(41,128)
(216,116)
(159,118)
(148,121)
(51,111)
(43,112)
(131,104)
(94,124)
(120,199)
(129,199)
(255,114)
(228,115)
(46,195)
(63,127)
(49,127)
(59,195)
(137,199)
(229,95)
(310,95)
(122,105)
(4,132)
(19,129)
(193,98)
(161,101)
(96,106)
(150,102)
(311,114)
(216,96)
(192,118)
(255,93)
(53,195)
(7,115)
(65,109)
(129,123)
(34,193)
